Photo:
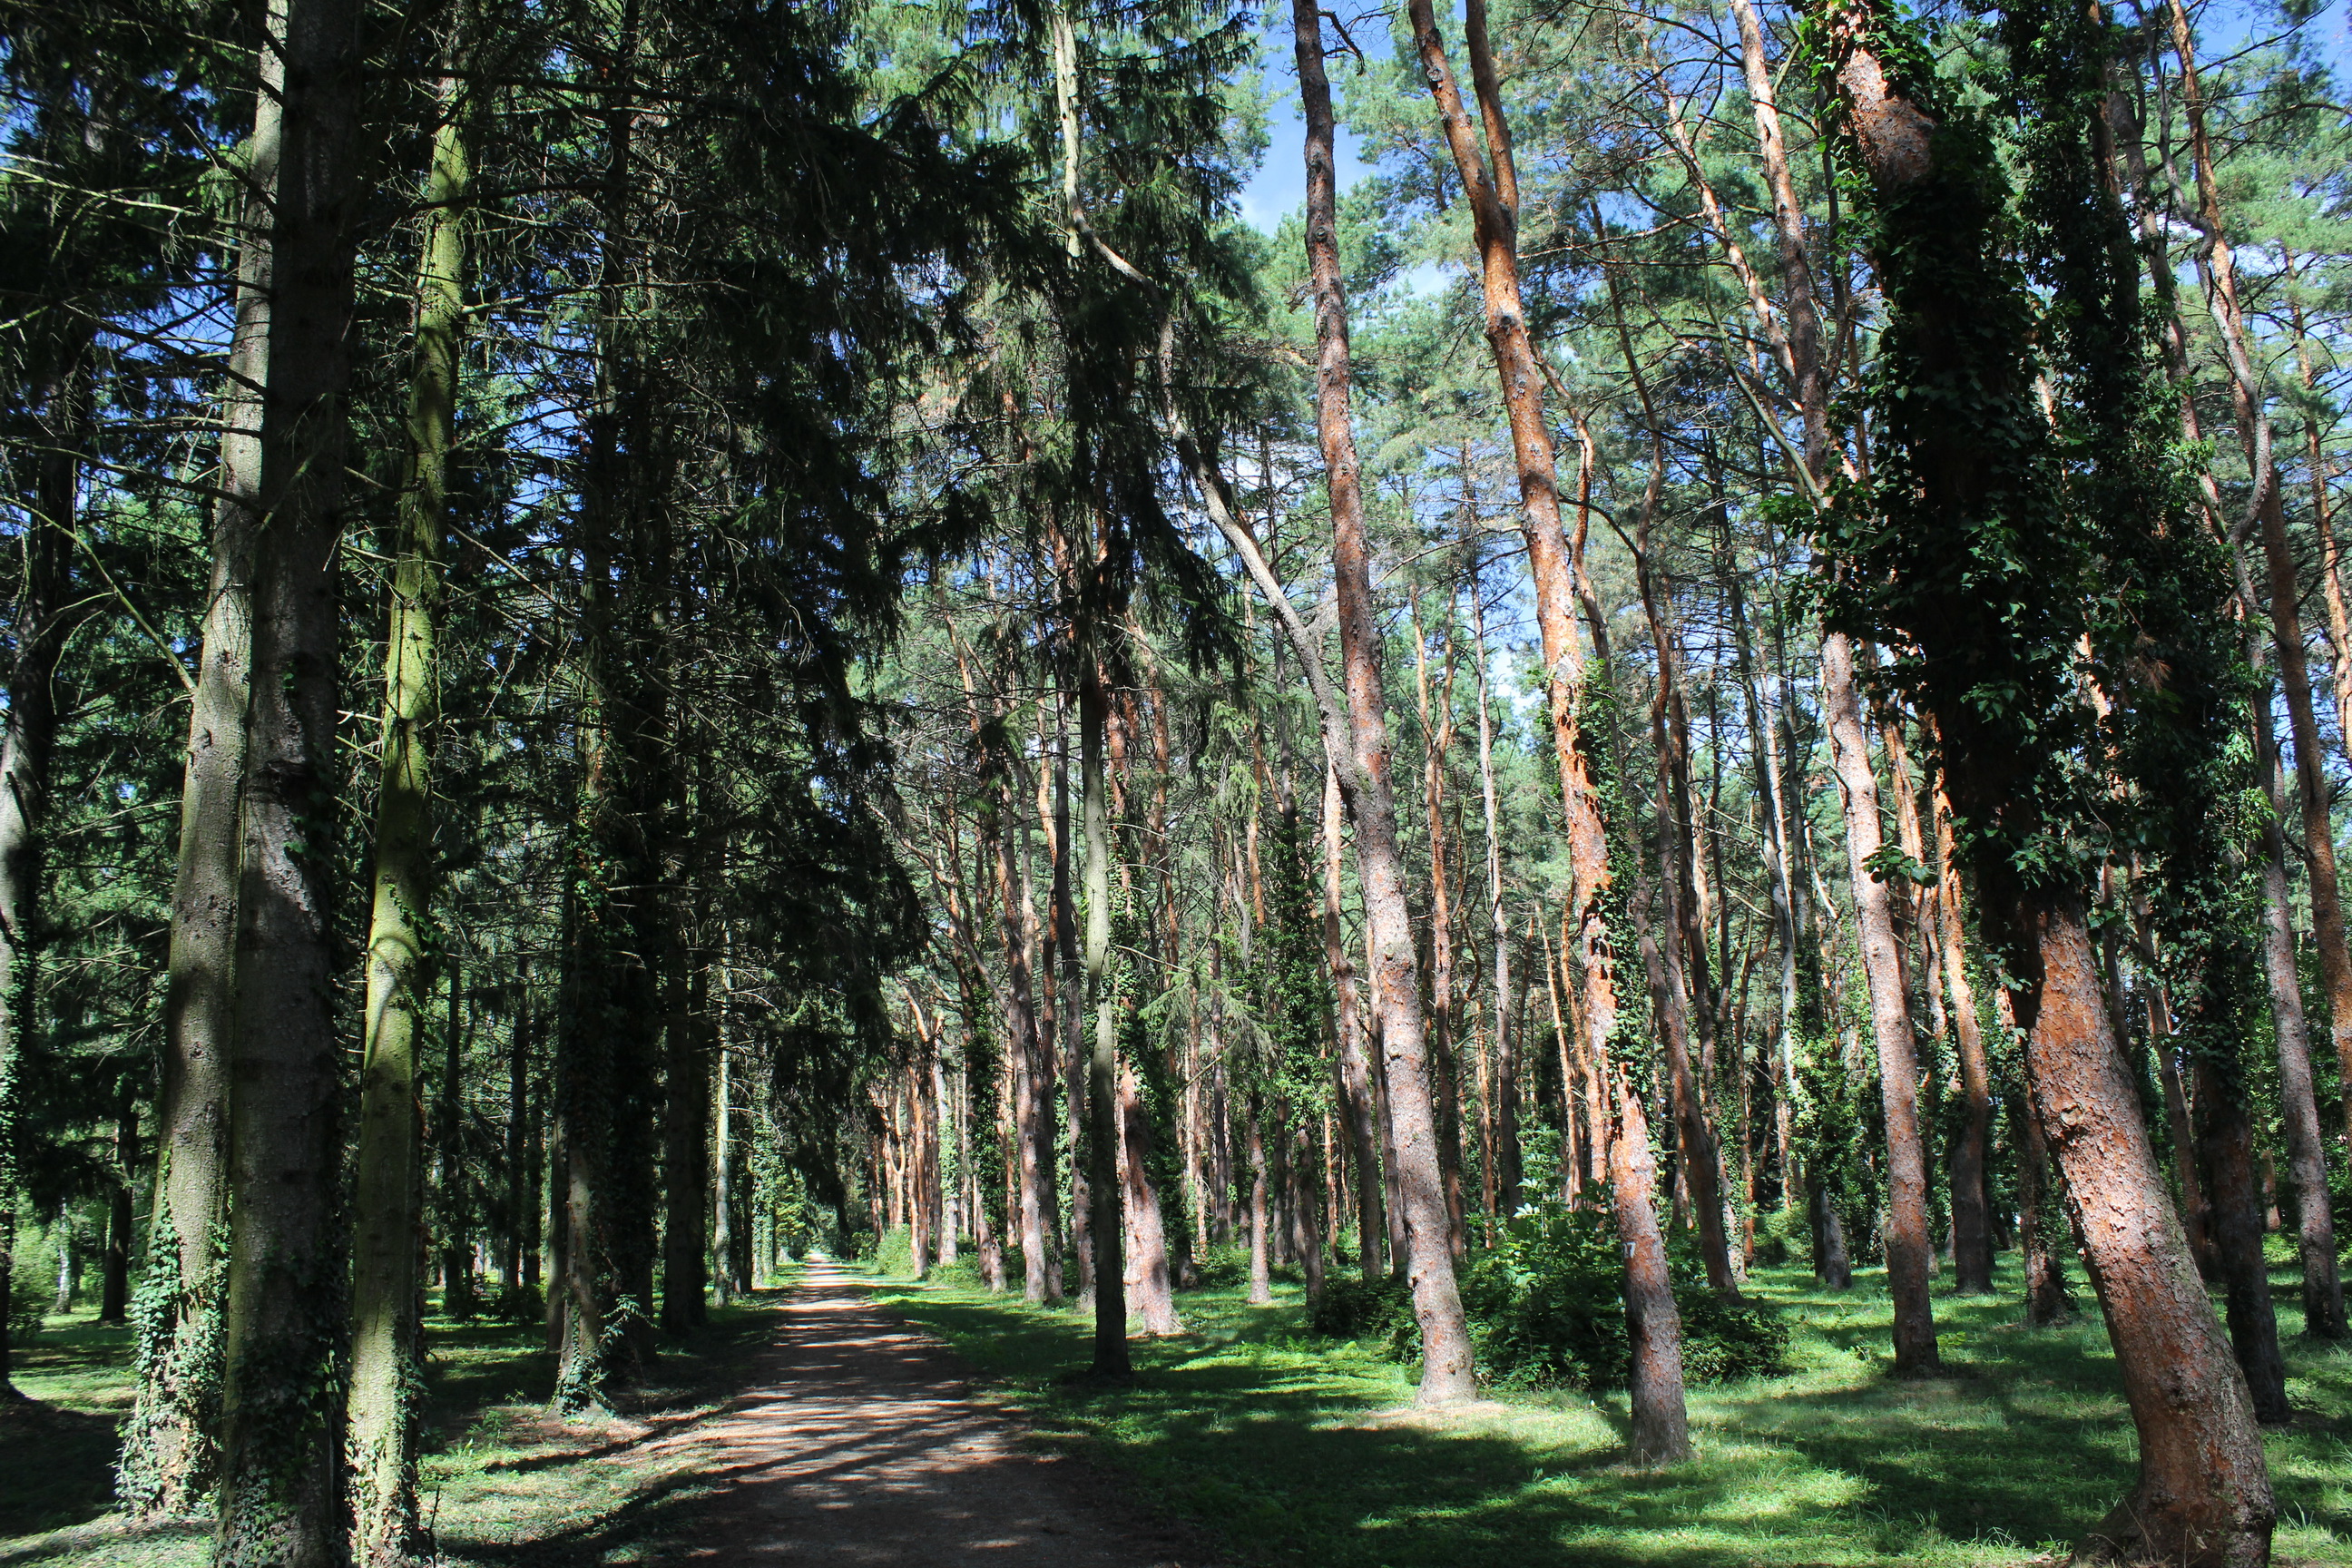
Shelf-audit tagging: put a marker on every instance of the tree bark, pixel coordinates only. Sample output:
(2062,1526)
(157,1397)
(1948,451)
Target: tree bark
(170,1454)
(279,1499)
(1971,1203)
(1910,1251)
(2298,1105)
(1103,1131)
(386,1338)
(1429,1264)
(2225,1143)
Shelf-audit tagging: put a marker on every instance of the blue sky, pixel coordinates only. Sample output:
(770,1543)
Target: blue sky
(1280,185)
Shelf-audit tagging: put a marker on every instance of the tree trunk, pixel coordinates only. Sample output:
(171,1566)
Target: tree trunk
(1070,1011)
(1034,1073)
(1396,990)
(1306,1230)
(171,1453)
(1910,1251)
(1667,964)
(1261,1259)
(722,1161)
(279,1498)
(686,1050)
(1436,725)
(1145,1277)
(2203,1494)
(2225,1142)
(2216,260)
(520,1153)
(1503,1100)
(386,1340)
(2323,1288)
(114,1287)
(1661,1434)
(46,600)
(1971,1203)
(2046,1300)
(1103,1133)
(451,1179)
(1359,1104)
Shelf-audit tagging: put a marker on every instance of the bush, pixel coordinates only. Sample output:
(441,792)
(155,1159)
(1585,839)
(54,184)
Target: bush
(895,1254)
(1352,1310)
(1547,1309)
(1223,1268)
(519,1305)
(32,1282)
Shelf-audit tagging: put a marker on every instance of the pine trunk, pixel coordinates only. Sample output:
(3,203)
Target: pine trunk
(1396,990)
(171,1453)
(1972,1247)
(280,1500)
(2322,1287)
(1103,1131)
(386,1338)
(1910,1251)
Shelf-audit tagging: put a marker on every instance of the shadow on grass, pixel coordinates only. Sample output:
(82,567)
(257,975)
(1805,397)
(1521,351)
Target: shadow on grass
(1289,1449)
(56,1468)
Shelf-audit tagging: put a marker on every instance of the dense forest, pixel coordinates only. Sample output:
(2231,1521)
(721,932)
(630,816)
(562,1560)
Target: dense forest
(649,637)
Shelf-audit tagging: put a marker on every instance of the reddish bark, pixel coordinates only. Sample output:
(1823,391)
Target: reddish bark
(1972,1207)
(1363,1113)
(1910,1254)
(1396,989)
(2225,1142)
(2203,1496)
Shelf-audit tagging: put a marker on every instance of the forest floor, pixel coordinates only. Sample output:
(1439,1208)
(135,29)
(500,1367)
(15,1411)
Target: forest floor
(1279,1447)
(810,1426)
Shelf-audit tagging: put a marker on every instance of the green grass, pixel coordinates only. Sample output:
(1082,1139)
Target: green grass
(500,1484)
(1283,1448)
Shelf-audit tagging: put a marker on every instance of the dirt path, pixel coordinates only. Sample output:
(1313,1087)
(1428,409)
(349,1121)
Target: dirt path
(863,1449)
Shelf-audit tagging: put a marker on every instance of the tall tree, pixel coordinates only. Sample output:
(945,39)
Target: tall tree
(287,1293)
(1972,558)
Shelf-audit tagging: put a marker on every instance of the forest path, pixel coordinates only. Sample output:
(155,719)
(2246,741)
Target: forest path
(860,1447)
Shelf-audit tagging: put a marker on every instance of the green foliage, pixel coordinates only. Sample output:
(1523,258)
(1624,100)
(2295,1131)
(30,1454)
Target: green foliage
(1547,1311)
(1959,552)
(894,1254)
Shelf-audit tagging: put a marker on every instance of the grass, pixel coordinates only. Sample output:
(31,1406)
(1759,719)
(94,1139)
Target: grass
(500,1485)
(1282,1448)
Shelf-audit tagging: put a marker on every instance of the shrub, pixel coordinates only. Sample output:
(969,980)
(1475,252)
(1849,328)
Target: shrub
(32,1282)
(895,1254)
(1547,1309)
(520,1305)
(1353,1309)
(1223,1268)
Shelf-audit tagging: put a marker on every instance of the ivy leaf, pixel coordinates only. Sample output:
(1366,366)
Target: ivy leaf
(1888,861)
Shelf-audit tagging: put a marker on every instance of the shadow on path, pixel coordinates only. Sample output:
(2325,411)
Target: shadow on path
(859,1447)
